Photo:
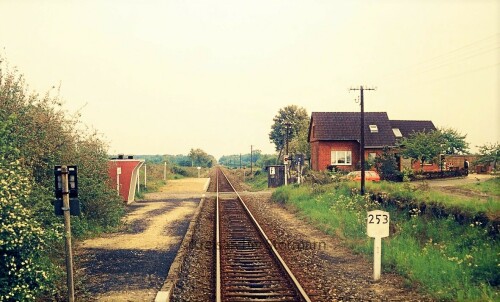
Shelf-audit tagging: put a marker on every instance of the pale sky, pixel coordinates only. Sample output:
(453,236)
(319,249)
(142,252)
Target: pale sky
(162,77)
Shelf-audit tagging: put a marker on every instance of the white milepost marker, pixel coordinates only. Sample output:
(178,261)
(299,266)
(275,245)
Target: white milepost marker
(377,226)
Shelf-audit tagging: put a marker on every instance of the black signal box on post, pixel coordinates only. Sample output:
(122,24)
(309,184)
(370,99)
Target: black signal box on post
(72,181)
(72,190)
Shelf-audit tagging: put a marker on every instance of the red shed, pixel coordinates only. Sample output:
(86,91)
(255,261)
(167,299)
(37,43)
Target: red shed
(123,173)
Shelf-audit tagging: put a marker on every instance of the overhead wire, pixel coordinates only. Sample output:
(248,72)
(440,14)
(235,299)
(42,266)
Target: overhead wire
(455,56)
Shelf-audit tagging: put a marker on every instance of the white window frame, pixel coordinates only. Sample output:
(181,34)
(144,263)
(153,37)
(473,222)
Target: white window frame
(373,128)
(397,132)
(347,155)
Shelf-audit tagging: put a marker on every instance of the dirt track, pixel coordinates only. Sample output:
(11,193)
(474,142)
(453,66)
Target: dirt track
(132,264)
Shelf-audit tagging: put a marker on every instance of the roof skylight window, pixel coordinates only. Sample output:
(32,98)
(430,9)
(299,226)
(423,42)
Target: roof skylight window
(373,128)
(397,132)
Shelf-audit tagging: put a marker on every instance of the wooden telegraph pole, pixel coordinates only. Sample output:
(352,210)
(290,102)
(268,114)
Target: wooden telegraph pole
(251,159)
(362,138)
(67,234)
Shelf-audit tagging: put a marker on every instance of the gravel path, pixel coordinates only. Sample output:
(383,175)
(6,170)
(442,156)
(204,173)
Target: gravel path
(132,264)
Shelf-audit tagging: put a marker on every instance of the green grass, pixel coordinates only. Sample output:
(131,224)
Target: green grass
(489,187)
(449,260)
(258,181)
(470,205)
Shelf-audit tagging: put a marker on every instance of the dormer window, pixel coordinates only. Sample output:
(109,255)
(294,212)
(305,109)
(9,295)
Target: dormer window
(373,128)
(397,132)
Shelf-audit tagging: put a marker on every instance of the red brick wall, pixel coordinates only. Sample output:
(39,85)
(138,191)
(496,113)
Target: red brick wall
(321,153)
(427,167)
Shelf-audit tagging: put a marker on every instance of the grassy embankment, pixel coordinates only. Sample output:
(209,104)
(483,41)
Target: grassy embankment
(449,258)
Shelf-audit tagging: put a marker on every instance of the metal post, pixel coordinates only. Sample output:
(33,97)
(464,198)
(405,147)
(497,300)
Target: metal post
(67,235)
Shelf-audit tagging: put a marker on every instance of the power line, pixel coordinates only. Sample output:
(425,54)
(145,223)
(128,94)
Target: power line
(450,57)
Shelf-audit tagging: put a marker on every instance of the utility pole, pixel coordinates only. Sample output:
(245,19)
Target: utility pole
(251,159)
(286,138)
(362,133)
(287,124)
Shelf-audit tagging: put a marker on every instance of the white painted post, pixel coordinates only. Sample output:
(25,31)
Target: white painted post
(118,173)
(286,175)
(377,258)
(377,226)
(165,171)
(145,179)
(298,173)
(138,182)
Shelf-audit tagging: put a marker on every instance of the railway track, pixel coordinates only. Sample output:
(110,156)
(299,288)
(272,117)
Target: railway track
(248,267)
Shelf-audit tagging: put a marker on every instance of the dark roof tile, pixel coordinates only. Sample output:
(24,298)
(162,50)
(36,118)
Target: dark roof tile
(408,127)
(345,126)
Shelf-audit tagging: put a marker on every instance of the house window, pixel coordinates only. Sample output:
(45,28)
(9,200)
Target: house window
(373,128)
(397,132)
(372,155)
(341,157)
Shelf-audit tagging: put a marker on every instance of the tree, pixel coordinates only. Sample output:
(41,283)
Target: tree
(201,158)
(423,146)
(489,154)
(386,165)
(455,141)
(294,119)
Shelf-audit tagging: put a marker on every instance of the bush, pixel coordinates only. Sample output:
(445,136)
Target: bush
(36,135)
(25,271)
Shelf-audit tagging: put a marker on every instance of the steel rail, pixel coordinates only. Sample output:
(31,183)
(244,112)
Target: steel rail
(218,293)
(301,292)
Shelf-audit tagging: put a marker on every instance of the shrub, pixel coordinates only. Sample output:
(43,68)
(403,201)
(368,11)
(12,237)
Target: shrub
(25,272)
(35,136)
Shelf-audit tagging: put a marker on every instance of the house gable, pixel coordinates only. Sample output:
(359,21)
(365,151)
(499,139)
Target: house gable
(334,131)
(345,126)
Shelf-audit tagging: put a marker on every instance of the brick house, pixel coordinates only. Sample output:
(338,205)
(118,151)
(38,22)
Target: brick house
(334,138)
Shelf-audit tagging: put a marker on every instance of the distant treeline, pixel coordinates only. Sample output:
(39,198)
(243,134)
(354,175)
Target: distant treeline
(244,160)
(179,160)
(232,161)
